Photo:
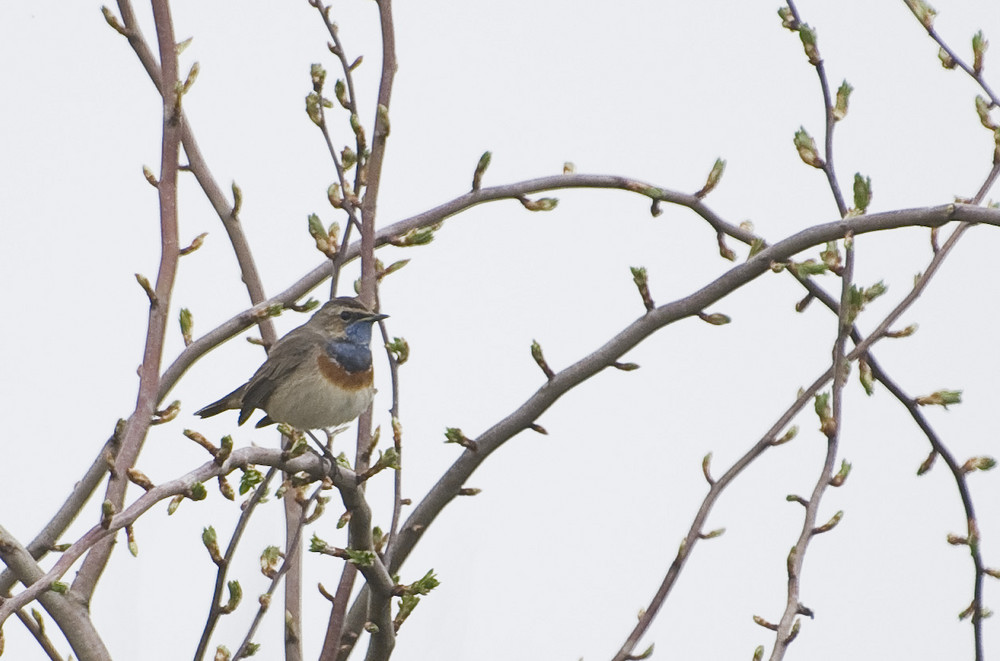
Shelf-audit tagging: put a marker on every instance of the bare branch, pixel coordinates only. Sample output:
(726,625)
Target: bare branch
(309,463)
(927,20)
(82,490)
(149,373)
(828,112)
(293,537)
(787,627)
(72,616)
(216,608)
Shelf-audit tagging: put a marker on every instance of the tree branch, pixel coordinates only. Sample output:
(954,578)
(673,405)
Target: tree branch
(70,614)
(149,372)
(215,610)
(788,626)
(82,490)
(450,484)
(185,485)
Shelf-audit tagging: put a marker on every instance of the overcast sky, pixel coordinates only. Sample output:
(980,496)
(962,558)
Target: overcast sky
(573,531)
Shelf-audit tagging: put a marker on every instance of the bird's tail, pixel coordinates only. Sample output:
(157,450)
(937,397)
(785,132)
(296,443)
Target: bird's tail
(233,400)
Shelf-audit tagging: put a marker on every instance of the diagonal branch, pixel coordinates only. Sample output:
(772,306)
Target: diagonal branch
(228,214)
(927,20)
(70,614)
(862,347)
(82,490)
(38,632)
(187,485)
(293,537)
(451,482)
(215,610)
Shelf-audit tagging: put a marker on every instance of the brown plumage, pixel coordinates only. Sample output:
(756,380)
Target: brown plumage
(317,376)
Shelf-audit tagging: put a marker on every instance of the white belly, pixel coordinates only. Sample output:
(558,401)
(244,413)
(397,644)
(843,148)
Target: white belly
(313,403)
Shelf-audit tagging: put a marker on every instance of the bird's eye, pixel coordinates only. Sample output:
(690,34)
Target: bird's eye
(345,315)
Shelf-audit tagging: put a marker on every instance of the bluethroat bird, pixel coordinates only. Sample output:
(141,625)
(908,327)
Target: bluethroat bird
(317,376)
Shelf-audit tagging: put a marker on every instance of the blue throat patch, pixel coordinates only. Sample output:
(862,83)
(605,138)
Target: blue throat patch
(353,353)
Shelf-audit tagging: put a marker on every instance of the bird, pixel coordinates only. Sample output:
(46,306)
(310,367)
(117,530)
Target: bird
(317,376)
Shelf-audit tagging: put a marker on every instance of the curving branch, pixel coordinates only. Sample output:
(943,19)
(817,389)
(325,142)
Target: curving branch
(451,482)
(861,349)
(928,217)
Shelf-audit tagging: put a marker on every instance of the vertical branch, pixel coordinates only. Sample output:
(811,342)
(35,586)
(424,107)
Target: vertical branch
(379,582)
(294,520)
(379,606)
(149,371)
(244,649)
(369,204)
(788,627)
(397,435)
(335,632)
(369,169)
(830,121)
(374,165)
(215,611)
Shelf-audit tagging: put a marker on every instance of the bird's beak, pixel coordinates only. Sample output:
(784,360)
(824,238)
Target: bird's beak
(376,317)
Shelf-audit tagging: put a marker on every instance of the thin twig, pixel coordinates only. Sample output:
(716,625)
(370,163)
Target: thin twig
(352,107)
(215,611)
(830,122)
(39,635)
(787,627)
(978,77)
(964,493)
(397,440)
(310,463)
(265,599)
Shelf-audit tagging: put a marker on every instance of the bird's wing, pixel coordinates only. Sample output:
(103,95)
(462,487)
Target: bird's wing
(285,357)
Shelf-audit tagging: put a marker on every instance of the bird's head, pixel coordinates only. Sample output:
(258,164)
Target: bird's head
(345,318)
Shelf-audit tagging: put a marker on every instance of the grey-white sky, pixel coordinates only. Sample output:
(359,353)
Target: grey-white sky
(573,531)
